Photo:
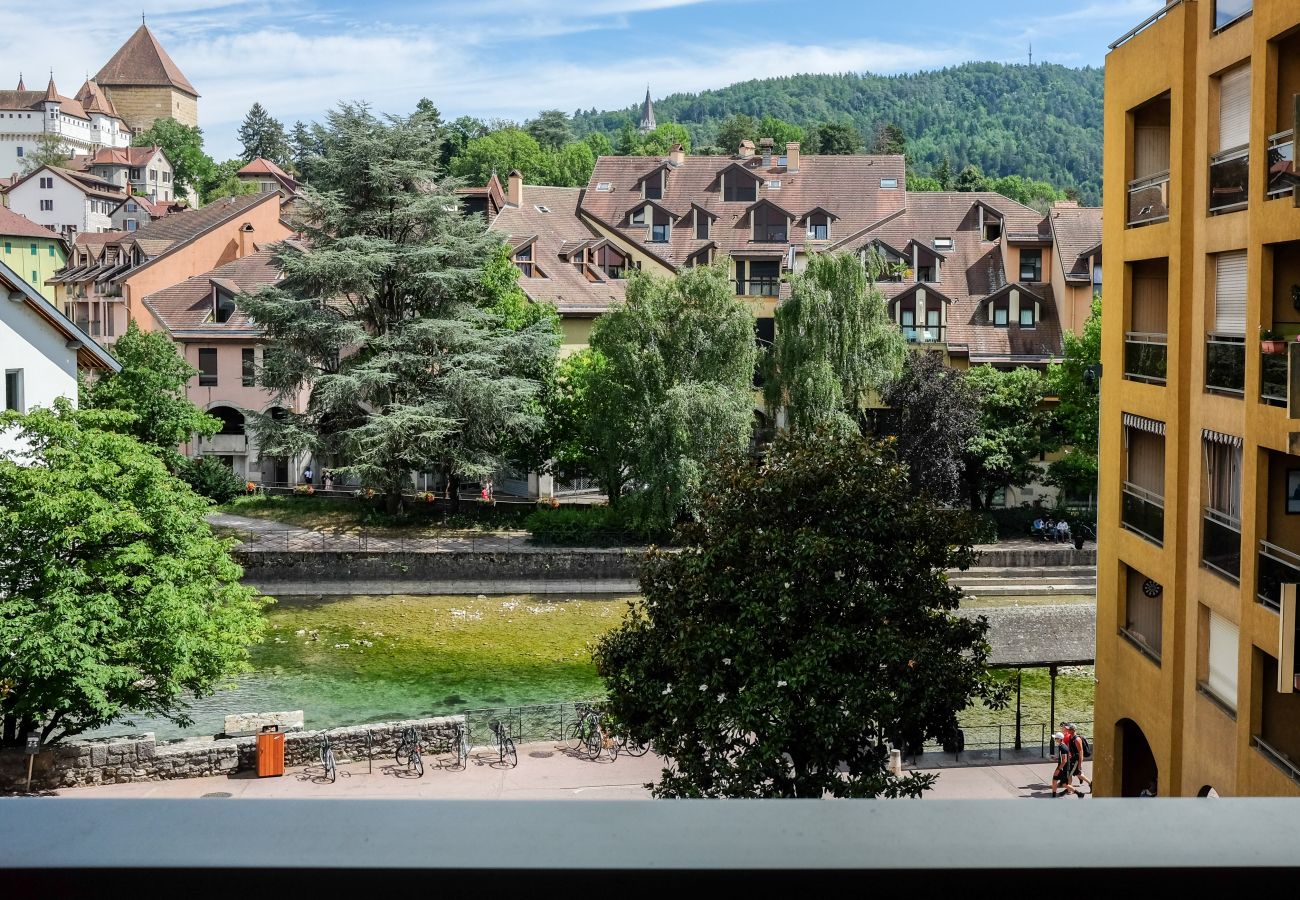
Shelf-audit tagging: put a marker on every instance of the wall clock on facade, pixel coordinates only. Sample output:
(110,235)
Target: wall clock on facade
(1152,588)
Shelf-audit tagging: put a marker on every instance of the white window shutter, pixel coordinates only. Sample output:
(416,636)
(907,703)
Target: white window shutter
(1230,293)
(1234,108)
(1223,660)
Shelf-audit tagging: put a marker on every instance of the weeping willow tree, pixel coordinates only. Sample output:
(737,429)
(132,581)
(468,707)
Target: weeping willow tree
(835,344)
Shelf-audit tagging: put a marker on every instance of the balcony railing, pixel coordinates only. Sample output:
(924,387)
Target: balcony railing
(1281,161)
(1277,566)
(1146,356)
(224,443)
(923,334)
(1143,512)
(1148,199)
(1221,544)
(1229,179)
(1225,364)
(1273,378)
(1277,757)
(759,287)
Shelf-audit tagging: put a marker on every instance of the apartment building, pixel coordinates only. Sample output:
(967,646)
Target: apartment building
(33,251)
(1199,537)
(66,201)
(142,171)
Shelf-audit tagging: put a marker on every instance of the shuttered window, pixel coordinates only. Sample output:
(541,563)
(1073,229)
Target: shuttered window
(1150,300)
(1222,677)
(1234,108)
(1230,293)
(1150,150)
(1142,612)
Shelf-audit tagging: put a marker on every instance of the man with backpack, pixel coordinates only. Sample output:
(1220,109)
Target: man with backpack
(1079,749)
(1062,777)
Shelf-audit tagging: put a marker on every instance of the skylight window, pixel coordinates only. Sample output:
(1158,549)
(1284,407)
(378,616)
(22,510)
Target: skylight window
(889,183)
(604,186)
(943,243)
(774,185)
(541,209)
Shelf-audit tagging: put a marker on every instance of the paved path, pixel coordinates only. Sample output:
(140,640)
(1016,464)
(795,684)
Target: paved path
(545,772)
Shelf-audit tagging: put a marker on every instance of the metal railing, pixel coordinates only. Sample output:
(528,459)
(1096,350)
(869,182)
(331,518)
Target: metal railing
(1146,356)
(1144,24)
(1230,179)
(365,539)
(1227,12)
(1281,161)
(759,287)
(1277,757)
(1141,643)
(1273,379)
(1225,364)
(1221,543)
(1143,512)
(1277,566)
(923,334)
(1148,199)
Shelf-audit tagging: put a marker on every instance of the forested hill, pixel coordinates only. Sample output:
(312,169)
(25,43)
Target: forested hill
(1041,121)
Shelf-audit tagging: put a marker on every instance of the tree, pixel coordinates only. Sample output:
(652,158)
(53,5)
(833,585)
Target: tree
(569,166)
(209,477)
(809,599)
(117,597)
(971,179)
(304,147)
(1014,431)
(151,392)
(599,144)
(590,424)
(456,138)
(226,183)
(837,139)
(550,129)
(192,169)
(780,132)
(889,139)
(662,139)
(835,341)
(501,152)
(679,360)
(739,127)
(934,414)
(262,135)
(386,315)
(49,150)
(943,174)
(1078,413)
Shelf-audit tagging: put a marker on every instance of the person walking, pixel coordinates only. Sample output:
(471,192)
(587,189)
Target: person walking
(1061,777)
(1078,751)
(308,474)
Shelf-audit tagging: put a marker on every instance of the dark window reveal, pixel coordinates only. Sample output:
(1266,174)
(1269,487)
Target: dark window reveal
(248,371)
(207,367)
(1031,265)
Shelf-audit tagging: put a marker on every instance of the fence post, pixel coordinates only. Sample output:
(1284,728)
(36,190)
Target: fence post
(999,740)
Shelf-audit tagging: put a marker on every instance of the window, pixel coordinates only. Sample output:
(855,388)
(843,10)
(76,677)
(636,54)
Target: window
(20,152)
(51,249)
(818,227)
(1026,315)
(248,371)
(33,249)
(35,276)
(1228,11)
(1031,264)
(604,187)
(524,260)
(943,243)
(1230,293)
(769,225)
(47,183)
(992,228)
(130,206)
(9,247)
(542,209)
(131,225)
(653,187)
(659,233)
(1000,314)
(207,367)
(1221,660)
(636,216)
(14,390)
(47,205)
(889,184)
(223,306)
(135,174)
(925,273)
(701,226)
(739,187)
(1143,611)
(774,185)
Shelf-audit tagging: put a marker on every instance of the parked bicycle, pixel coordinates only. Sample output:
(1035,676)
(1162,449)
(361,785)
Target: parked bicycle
(327,758)
(408,752)
(505,743)
(590,737)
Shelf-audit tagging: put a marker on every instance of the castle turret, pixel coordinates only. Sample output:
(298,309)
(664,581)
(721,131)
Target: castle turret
(144,85)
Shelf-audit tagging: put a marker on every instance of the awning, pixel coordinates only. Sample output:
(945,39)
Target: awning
(1142,423)
(1218,437)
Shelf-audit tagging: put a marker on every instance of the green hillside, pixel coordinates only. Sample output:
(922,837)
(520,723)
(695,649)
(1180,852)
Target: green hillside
(1041,122)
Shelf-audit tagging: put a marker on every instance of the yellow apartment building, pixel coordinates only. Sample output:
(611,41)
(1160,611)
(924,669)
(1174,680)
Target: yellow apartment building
(1200,519)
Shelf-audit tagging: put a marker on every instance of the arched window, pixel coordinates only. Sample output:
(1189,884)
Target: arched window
(232,420)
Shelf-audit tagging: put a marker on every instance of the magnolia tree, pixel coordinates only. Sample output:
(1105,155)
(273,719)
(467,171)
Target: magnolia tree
(805,623)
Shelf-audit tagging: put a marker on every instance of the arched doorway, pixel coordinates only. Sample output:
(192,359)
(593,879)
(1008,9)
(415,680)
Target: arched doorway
(232,420)
(1138,771)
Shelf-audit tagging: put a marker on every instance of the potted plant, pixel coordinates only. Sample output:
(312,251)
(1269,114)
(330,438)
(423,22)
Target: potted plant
(1271,341)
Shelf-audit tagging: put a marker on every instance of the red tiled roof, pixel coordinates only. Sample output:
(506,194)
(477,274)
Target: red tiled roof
(16,225)
(187,307)
(260,166)
(93,99)
(1076,232)
(133,157)
(32,100)
(142,61)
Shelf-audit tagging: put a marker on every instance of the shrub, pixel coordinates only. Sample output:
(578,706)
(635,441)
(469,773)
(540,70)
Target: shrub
(579,526)
(211,478)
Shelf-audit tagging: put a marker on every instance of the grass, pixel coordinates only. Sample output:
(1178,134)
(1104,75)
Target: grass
(346,516)
(1075,687)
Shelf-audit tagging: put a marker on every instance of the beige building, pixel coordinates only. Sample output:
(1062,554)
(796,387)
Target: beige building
(1199,519)
(144,84)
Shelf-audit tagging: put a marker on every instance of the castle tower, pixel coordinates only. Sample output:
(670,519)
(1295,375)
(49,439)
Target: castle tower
(143,84)
(647,114)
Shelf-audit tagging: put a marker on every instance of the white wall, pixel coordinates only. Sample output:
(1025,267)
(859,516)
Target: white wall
(70,205)
(30,343)
(20,128)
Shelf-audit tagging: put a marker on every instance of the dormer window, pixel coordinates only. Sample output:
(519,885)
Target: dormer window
(223,305)
(992,228)
(1026,316)
(1031,264)
(738,187)
(653,186)
(1000,310)
(925,273)
(636,216)
(701,226)
(524,260)
(819,226)
(770,225)
(609,261)
(661,228)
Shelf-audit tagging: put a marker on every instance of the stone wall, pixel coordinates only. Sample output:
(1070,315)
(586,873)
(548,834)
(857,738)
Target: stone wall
(267,567)
(140,758)
(1046,556)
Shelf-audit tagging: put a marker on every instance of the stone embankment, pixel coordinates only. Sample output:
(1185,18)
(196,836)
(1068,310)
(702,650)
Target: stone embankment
(139,757)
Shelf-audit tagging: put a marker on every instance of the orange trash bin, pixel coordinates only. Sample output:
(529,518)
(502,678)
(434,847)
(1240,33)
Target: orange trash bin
(270,753)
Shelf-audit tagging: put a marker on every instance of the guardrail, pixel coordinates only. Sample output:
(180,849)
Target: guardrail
(1277,566)
(1230,179)
(1281,161)
(1221,543)
(1148,199)
(1143,512)
(1225,364)
(1144,24)
(1146,356)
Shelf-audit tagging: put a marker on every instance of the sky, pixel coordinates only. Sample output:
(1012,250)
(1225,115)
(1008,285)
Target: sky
(512,58)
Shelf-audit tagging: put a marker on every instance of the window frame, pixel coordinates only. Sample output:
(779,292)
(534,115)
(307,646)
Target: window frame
(208,377)
(1037,270)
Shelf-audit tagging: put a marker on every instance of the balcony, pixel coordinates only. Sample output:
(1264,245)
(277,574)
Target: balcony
(1229,179)
(759,287)
(1281,161)
(1225,364)
(224,443)
(1148,199)
(1143,513)
(1221,544)
(1146,356)
(1273,379)
(923,334)
(1277,566)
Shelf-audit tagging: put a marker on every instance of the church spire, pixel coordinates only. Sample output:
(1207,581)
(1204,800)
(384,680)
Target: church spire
(21,86)
(647,113)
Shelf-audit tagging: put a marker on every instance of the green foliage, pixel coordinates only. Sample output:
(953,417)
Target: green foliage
(780,132)
(1038,195)
(550,129)
(661,140)
(835,342)
(116,598)
(192,169)
(210,477)
(225,183)
(1042,122)
(889,140)
(48,150)
(1074,474)
(501,152)
(151,392)
(836,139)
(580,526)
(263,135)
(806,622)
(587,421)
(1014,431)
(306,145)
(391,316)
(599,144)
(934,414)
(567,166)
(737,128)
(1078,413)
(673,373)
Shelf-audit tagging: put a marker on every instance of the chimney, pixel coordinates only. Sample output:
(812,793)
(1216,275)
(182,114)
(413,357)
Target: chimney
(766,144)
(245,239)
(677,155)
(746,148)
(515,188)
(792,156)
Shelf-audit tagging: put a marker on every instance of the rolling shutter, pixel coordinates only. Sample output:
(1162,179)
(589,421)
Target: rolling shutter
(1222,679)
(1230,293)
(1234,108)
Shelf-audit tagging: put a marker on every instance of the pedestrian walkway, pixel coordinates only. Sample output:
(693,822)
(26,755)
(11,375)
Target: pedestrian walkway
(546,771)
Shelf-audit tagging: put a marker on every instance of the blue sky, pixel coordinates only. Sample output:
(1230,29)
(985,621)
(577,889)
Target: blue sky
(511,58)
